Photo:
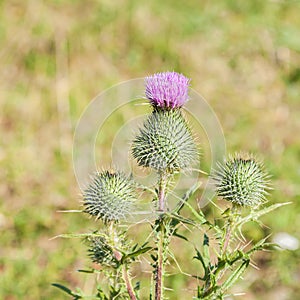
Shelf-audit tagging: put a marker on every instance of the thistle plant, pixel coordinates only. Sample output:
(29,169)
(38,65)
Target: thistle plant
(166,144)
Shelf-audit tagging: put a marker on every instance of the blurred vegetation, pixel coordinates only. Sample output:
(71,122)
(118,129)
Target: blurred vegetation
(56,55)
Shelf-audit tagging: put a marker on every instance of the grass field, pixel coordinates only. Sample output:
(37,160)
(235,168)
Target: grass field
(55,56)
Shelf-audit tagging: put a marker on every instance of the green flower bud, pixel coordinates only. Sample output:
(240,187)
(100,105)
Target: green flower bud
(165,142)
(101,252)
(110,196)
(242,180)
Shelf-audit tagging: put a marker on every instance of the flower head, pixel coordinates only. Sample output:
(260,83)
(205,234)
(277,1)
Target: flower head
(165,142)
(110,196)
(167,90)
(242,180)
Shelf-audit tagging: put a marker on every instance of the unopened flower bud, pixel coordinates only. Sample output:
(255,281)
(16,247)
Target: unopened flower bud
(242,180)
(110,196)
(165,142)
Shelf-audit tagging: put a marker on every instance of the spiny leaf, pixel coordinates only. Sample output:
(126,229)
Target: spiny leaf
(67,290)
(199,216)
(86,271)
(176,219)
(187,196)
(254,215)
(235,275)
(78,235)
(101,295)
(137,286)
(236,256)
(200,257)
(137,253)
(180,236)
(226,212)
(268,209)
(206,256)
(262,245)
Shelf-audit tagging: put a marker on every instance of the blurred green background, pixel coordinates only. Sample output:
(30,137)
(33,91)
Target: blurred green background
(55,56)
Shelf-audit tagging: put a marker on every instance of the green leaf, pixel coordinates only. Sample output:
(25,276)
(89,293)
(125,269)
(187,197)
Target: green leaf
(226,212)
(271,208)
(66,290)
(254,215)
(136,253)
(199,292)
(204,264)
(145,188)
(86,271)
(262,245)
(78,235)
(206,256)
(134,247)
(235,275)
(137,286)
(199,216)
(180,236)
(236,256)
(189,193)
(176,219)
(101,295)
(153,257)
(114,292)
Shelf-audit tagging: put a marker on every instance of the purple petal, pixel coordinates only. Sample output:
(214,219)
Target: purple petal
(167,90)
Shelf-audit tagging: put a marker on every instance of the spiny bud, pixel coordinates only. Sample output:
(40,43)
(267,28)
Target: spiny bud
(242,180)
(101,252)
(110,196)
(165,142)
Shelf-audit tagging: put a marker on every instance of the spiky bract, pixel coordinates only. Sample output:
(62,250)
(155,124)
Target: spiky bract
(242,180)
(167,89)
(110,196)
(165,142)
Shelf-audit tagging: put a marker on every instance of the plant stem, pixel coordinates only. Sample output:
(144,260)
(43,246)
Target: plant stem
(227,239)
(128,283)
(161,192)
(229,228)
(159,271)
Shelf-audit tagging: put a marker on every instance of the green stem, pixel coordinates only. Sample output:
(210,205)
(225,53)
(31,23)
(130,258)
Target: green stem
(226,238)
(229,228)
(128,283)
(218,272)
(159,271)
(161,192)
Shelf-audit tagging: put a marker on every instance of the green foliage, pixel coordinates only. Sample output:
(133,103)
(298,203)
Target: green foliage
(68,291)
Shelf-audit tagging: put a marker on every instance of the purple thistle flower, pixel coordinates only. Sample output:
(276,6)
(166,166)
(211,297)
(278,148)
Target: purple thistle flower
(167,90)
